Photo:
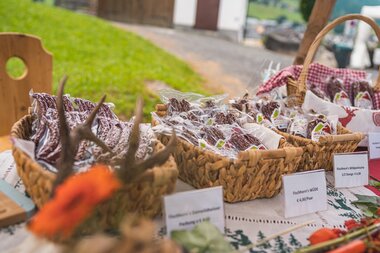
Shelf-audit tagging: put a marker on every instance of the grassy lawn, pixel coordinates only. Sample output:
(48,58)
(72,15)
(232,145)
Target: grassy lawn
(261,11)
(98,58)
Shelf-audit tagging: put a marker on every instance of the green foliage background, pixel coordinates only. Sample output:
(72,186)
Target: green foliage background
(98,58)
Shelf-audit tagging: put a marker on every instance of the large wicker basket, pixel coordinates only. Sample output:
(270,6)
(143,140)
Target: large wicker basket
(142,197)
(319,155)
(254,174)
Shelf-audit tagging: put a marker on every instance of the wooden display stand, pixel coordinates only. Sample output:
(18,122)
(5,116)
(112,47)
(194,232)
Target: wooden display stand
(14,93)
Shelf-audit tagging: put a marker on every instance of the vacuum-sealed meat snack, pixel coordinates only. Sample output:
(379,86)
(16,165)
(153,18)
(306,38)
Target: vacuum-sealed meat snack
(272,111)
(319,126)
(212,134)
(299,126)
(242,141)
(362,94)
(319,92)
(241,104)
(225,118)
(336,92)
(176,105)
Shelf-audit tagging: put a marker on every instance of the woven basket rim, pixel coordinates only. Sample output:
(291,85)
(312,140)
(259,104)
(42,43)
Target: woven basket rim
(148,175)
(340,137)
(265,154)
(344,137)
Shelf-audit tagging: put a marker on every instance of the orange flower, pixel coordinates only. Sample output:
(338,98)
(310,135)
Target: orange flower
(73,202)
(322,235)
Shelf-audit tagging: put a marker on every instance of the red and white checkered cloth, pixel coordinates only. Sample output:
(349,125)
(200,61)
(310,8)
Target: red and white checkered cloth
(317,75)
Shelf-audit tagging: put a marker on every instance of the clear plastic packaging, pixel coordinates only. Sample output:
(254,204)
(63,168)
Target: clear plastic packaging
(336,91)
(362,94)
(106,126)
(166,95)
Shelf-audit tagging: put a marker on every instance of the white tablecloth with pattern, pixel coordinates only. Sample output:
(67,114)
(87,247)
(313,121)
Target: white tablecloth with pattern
(246,222)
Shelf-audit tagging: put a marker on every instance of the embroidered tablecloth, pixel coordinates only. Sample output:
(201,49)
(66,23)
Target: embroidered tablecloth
(246,222)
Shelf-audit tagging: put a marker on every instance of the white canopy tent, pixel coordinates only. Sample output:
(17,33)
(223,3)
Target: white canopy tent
(360,57)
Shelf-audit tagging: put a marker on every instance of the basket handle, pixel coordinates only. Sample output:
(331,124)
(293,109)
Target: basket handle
(301,86)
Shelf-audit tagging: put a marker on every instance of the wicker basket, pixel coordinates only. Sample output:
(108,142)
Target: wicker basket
(142,197)
(297,88)
(254,174)
(319,155)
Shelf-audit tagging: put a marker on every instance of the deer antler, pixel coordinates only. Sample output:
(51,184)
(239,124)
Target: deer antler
(70,140)
(130,169)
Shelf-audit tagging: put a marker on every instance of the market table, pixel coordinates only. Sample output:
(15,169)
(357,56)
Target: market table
(246,222)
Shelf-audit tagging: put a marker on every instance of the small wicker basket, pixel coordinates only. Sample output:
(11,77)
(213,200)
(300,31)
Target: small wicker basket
(142,197)
(319,155)
(254,174)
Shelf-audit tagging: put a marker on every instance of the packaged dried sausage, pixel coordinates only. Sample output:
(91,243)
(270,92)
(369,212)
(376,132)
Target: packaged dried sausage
(336,91)
(272,111)
(299,126)
(318,92)
(362,94)
(319,126)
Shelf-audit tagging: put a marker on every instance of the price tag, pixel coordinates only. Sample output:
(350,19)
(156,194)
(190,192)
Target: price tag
(305,192)
(185,210)
(374,145)
(351,169)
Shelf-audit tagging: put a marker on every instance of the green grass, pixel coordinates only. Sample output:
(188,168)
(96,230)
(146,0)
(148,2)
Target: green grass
(292,3)
(261,11)
(98,58)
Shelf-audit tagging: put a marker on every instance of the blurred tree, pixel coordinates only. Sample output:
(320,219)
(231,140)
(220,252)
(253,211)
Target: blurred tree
(306,6)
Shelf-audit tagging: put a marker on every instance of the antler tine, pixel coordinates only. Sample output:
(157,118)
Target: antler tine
(83,131)
(156,159)
(134,139)
(67,157)
(70,141)
(92,116)
(64,129)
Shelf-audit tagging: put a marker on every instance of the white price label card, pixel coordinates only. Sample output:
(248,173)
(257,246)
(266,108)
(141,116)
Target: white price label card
(374,145)
(304,193)
(351,169)
(185,210)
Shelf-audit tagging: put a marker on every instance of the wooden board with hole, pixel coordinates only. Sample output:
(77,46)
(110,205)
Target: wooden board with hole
(14,206)
(14,92)
(10,212)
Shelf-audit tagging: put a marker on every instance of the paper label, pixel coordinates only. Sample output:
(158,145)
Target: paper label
(299,127)
(341,98)
(321,129)
(185,210)
(278,120)
(255,147)
(304,193)
(374,145)
(363,100)
(351,169)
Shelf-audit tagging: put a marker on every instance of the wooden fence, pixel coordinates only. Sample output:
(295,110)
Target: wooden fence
(152,12)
